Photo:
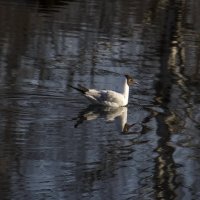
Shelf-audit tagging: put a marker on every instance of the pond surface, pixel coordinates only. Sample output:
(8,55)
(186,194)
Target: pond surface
(53,145)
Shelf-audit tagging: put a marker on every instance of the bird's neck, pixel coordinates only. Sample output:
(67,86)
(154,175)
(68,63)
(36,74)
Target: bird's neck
(126,91)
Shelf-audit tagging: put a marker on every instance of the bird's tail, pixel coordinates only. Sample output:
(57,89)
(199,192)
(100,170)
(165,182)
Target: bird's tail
(80,88)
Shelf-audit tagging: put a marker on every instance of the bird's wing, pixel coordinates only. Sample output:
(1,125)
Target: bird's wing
(93,94)
(105,97)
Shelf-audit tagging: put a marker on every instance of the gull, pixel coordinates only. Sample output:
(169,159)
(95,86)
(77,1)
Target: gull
(108,98)
(110,114)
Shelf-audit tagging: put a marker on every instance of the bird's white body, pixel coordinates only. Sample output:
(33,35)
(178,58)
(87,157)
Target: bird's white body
(108,97)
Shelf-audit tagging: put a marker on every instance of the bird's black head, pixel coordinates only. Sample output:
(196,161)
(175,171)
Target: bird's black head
(130,80)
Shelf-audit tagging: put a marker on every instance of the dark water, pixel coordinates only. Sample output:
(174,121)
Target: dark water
(53,146)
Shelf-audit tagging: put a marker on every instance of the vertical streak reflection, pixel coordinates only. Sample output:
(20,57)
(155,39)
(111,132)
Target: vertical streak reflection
(165,168)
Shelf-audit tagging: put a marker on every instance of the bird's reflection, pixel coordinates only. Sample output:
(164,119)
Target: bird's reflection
(117,115)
